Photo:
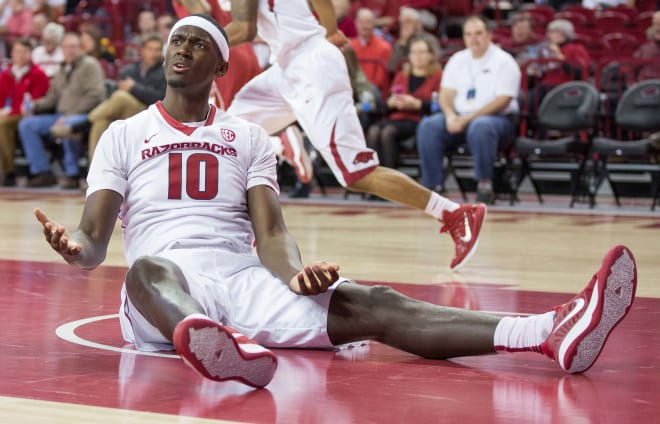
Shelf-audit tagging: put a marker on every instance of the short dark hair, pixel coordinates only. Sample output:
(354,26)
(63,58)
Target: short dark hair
(24,41)
(523,17)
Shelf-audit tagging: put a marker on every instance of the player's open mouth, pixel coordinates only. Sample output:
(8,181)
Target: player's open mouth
(180,67)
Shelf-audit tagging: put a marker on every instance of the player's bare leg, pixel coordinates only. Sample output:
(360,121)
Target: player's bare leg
(572,334)
(393,185)
(462,222)
(382,314)
(158,289)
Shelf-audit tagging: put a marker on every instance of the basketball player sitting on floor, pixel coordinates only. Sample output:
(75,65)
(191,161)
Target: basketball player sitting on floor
(195,186)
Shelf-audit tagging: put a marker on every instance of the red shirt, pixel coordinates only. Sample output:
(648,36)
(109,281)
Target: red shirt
(35,82)
(423,92)
(373,57)
(575,54)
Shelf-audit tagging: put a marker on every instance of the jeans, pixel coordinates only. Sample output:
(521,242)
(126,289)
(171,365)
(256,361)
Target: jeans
(484,135)
(31,130)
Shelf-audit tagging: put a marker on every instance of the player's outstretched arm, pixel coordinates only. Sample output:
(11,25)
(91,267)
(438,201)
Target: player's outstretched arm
(86,247)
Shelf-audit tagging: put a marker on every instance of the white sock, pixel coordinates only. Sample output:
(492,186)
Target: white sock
(521,334)
(438,204)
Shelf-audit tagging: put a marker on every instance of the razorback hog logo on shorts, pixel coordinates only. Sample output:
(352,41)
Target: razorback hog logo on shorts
(227,135)
(363,157)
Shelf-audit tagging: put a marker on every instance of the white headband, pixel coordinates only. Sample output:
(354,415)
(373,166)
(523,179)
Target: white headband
(207,26)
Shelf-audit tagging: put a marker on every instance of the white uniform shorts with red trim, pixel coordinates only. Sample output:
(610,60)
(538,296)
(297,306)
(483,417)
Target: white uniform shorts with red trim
(236,290)
(313,89)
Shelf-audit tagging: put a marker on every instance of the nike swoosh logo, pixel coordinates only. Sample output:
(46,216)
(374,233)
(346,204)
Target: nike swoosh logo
(579,304)
(147,140)
(468,233)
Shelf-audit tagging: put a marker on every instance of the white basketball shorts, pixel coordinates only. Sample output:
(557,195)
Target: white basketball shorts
(236,290)
(313,89)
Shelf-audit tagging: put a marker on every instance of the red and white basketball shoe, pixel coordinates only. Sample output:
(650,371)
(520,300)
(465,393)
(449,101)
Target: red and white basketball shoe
(294,151)
(221,353)
(583,324)
(464,226)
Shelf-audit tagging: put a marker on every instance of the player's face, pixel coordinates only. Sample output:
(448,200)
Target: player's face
(192,58)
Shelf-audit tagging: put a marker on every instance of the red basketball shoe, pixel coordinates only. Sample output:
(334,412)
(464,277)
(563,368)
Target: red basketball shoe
(464,226)
(583,324)
(221,353)
(294,150)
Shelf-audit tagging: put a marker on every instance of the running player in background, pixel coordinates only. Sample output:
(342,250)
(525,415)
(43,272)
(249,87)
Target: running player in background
(308,82)
(194,186)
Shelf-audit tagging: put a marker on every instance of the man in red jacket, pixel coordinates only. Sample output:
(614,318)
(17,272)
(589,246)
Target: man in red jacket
(21,78)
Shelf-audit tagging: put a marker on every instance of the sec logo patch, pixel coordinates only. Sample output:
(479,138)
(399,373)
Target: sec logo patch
(227,135)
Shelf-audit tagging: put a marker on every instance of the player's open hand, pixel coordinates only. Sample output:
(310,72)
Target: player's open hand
(315,278)
(57,236)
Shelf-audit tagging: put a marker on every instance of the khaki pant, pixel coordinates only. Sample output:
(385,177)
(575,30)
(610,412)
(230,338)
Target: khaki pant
(8,135)
(120,105)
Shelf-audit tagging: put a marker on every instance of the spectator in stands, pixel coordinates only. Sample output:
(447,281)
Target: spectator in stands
(39,22)
(410,26)
(94,44)
(385,12)
(409,99)
(77,88)
(139,85)
(478,97)
(522,37)
(48,55)
(19,22)
(372,51)
(44,7)
(650,50)
(560,45)
(147,24)
(345,23)
(164,25)
(20,78)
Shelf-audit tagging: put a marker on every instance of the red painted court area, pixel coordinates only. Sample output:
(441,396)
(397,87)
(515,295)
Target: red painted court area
(371,383)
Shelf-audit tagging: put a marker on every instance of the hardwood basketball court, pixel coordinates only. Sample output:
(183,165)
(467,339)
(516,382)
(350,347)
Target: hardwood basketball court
(64,360)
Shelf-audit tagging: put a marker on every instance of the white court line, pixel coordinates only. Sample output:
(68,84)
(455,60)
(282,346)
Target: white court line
(67,332)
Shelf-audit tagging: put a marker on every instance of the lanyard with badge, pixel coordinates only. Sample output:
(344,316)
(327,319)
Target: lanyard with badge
(471,94)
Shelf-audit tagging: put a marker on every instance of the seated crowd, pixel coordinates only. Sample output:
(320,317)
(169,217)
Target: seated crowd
(63,88)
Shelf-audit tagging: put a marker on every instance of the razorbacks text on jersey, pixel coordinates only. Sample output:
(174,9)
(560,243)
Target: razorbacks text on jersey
(183,185)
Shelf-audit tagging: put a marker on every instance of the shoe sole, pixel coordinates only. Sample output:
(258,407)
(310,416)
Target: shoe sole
(616,284)
(213,351)
(467,257)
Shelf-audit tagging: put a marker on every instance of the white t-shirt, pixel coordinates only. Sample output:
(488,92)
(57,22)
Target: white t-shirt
(285,24)
(49,63)
(183,186)
(479,81)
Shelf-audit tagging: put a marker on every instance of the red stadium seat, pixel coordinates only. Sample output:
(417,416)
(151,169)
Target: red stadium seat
(613,20)
(623,43)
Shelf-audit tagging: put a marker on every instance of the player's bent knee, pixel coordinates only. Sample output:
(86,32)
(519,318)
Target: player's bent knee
(148,271)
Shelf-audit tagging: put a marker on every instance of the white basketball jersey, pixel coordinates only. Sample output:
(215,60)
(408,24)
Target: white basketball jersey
(183,186)
(284,24)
